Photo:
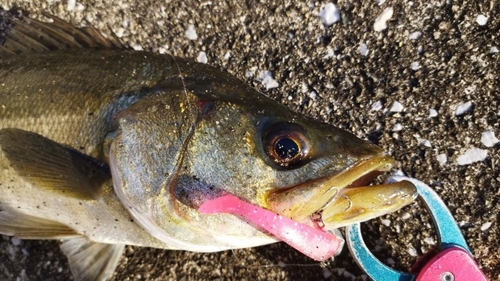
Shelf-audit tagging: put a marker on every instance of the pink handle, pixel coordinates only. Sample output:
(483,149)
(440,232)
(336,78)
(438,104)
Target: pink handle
(312,242)
(455,263)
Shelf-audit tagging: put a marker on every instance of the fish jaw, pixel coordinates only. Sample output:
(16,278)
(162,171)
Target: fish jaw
(342,199)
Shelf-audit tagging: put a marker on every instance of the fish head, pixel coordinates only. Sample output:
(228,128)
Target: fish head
(304,169)
(177,149)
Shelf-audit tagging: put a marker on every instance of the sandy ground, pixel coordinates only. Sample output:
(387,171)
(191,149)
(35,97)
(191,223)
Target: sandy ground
(323,73)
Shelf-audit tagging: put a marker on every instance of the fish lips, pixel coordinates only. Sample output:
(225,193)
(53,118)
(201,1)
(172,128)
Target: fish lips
(342,198)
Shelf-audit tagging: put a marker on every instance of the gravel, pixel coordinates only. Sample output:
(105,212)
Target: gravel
(458,61)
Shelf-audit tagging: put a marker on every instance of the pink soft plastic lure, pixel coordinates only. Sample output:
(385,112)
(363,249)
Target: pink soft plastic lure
(312,242)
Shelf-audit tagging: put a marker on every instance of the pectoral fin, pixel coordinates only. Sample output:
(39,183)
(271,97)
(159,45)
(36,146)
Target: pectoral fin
(53,166)
(24,226)
(91,261)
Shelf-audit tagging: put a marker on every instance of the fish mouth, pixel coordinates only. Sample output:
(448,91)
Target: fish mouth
(343,198)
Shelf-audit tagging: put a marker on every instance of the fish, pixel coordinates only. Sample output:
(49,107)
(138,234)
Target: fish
(102,146)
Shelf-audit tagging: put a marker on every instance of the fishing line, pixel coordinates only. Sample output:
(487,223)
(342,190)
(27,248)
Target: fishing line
(180,76)
(280,264)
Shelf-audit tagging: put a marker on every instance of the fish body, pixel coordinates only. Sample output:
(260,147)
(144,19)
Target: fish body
(110,147)
(82,114)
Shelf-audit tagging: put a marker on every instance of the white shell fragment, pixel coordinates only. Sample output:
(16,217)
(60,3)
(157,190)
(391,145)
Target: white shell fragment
(202,57)
(396,107)
(266,78)
(426,143)
(488,138)
(442,159)
(363,49)
(482,20)
(472,155)
(415,35)
(486,226)
(412,251)
(415,66)
(329,14)
(71,5)
(136,47)
(15,241)
(381,21)
(463,108)
(430,240)
(376,106)
(405,216)
(386,222)
(397,127)
(191,33)
(432,113)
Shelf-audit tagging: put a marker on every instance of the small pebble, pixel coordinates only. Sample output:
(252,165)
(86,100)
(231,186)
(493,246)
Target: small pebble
(405,216)
(327,273)
(376,106)
(386,222)
(415,66)
(415,35)
(381,21)
(266,78)
(426,143)
(363,49)
(486,226)
(472,155)
(329,14)
(191,33)
(396,107)
(202,57)
(463,108)
(412,251)
(137,47)
(432,113)
(397,127)
(482,20)
(71,4)
(488,138)
(430,240)
(442,159)
(15,241)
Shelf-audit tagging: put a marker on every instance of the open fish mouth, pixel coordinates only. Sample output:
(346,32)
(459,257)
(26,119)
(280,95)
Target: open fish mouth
(343,198)
(304,215)
(308,212)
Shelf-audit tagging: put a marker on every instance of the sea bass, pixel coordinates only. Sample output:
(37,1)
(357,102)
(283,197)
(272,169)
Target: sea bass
(102,147)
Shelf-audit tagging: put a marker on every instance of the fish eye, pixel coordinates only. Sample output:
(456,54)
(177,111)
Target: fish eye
(286,144)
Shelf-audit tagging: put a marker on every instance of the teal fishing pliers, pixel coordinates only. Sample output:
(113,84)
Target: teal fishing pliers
(452,261)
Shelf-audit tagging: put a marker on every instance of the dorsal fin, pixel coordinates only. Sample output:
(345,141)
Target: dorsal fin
(20,34)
